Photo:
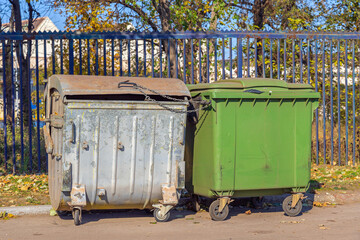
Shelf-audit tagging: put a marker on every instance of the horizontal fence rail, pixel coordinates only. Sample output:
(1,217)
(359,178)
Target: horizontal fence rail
(327,61)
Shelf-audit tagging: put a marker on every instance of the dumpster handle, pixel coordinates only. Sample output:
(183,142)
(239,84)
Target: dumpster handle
(142,89)
(72,137)
(253,91)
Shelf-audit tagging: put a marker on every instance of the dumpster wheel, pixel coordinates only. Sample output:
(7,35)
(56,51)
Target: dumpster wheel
(214,212)
(77,216)
(291,211)
(159,217)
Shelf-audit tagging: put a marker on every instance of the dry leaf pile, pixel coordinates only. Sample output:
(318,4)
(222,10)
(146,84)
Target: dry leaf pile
(23,190)
(336,177)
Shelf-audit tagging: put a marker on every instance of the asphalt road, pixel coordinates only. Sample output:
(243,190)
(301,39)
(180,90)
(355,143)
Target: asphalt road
(335,222)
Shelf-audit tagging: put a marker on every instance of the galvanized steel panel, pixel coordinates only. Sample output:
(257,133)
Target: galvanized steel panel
(125,151)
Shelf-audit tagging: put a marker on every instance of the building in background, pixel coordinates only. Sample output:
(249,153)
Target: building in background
(43,24)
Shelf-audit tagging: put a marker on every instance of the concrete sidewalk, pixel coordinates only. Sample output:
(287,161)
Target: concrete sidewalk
(332,197)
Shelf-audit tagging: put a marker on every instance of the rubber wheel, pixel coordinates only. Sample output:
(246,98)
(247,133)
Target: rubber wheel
(159,218)
(291,212)
(77,217)
(214,211)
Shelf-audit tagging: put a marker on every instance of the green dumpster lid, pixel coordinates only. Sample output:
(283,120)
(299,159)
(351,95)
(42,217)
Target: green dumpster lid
(243,83)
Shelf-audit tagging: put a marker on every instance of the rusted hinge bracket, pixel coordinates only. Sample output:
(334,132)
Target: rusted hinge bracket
(56,121)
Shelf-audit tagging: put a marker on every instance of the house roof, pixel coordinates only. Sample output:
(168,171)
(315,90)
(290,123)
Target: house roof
(36,22)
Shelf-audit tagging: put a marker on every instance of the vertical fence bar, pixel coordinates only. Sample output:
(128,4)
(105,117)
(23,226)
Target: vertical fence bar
(301,61)
(88,56)
(346,106)
(207,61)
(160,51)
(184,59)
(317,110)
(353,102)
(96,57)
(215,53)
(278,58)
(137,57)
(53,56)
(176,59)
(256,58)
(21,104)
(152,58)
(129,70)
(168,58)
(293,60)
(29,103)
(192,61)
(80,58)
(223,58)
(121,59)
(4,102)
(144,49)
(13,105)
(104,57)
(112,58)
(61,57)
(71,56)
(200,77)
(248,57)
(331,103)
(285,60)
(240,58)
(339,102)
(45,77)
(324,101)
(308,60)
(271,63)
(230,43)
(38,105)
(263,57)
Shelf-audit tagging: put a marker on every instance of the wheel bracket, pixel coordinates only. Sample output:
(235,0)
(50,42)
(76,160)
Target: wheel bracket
(223,202)
(296,198)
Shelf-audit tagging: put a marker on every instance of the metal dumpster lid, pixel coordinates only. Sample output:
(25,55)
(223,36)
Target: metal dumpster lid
(242,83)
(108,85)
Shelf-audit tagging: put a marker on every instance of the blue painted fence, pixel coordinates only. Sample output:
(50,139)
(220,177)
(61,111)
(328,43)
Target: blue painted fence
(328,61)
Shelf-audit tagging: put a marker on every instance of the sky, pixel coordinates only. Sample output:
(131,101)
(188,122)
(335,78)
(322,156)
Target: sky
(57,19)
(45,11)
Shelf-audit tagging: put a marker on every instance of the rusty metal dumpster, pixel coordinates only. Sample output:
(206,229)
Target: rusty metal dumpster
(115,143)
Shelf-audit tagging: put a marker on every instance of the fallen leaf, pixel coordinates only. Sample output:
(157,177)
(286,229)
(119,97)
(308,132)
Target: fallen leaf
(248,212)
(53,212)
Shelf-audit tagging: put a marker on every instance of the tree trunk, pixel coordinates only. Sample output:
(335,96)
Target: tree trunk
(163,9)
(258,11)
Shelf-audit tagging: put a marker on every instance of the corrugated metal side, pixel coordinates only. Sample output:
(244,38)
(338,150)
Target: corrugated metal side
(130,149)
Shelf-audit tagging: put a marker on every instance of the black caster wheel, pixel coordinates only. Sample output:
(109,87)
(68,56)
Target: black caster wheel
(76,214)
(161,218)
(291,211)
(214,211)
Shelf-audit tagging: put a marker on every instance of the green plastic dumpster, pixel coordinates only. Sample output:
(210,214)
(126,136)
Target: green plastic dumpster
(254,139)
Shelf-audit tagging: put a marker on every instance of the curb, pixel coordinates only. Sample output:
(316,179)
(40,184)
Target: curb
(27,210)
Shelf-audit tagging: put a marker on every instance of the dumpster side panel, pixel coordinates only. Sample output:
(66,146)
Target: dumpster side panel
(124,152)
(203,177)
(273,144)
(224,142)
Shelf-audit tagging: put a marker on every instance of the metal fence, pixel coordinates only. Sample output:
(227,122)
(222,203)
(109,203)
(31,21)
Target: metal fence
(328,61)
